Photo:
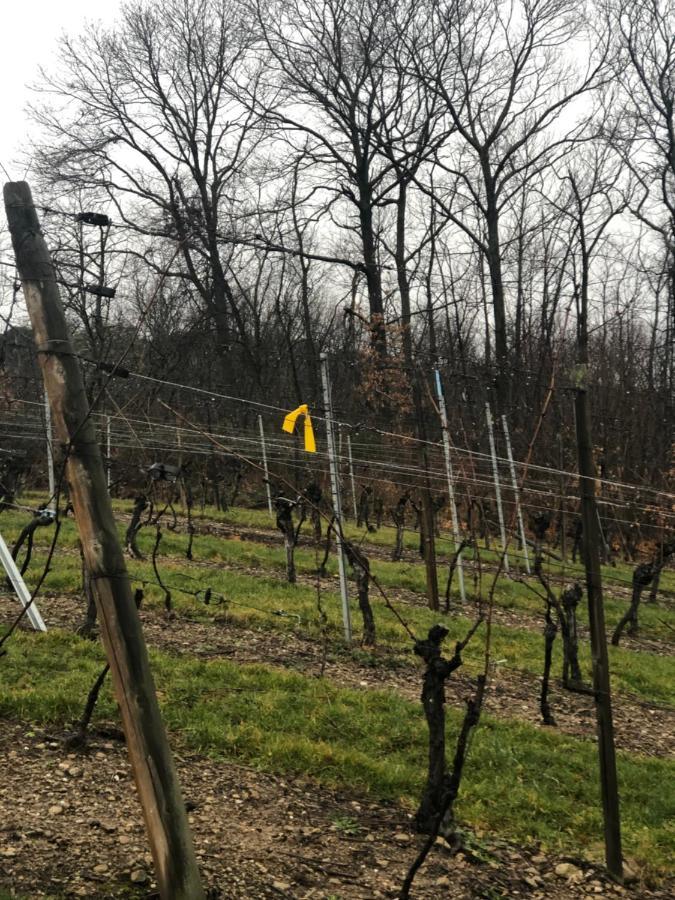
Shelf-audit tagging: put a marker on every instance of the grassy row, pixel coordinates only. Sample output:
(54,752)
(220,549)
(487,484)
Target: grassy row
(384,538)
(523,784)
(386,535)
(655,620)
(254,598)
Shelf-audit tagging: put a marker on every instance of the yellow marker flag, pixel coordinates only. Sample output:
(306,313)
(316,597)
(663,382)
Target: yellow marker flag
(289,426)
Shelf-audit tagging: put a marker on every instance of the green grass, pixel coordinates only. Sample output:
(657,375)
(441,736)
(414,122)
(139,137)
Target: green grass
(407,574)
(522,784)
(251,598)
(656,620)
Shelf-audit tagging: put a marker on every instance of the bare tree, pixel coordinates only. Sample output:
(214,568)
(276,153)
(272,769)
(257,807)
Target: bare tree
(339,82)
(147,114)
(501,74)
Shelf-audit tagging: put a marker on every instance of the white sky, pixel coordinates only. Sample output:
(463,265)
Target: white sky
(30,33)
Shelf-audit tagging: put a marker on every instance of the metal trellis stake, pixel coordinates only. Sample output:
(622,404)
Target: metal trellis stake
(108,467)
(263,447)
(351,476)
(498,490)
(516,495)
(335,489)
(19,586)
(451,482)
(50,452)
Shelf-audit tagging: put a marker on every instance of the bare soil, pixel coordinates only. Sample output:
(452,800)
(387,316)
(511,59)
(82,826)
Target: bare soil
(70,826)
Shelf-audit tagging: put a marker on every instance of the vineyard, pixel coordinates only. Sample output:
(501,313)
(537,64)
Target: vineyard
(337,450)
(307,752)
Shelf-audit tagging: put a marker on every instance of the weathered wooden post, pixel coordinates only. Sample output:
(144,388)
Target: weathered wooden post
(158,789)
(609,783)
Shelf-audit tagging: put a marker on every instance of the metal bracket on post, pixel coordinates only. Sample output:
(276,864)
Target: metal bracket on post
(514,482)
(451,482)
(351,476)
(498,490)
(337,502)
(50,451)
(19,585)
(265,469)
(108,448)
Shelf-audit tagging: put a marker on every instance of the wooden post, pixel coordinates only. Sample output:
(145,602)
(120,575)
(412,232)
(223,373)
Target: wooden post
(609,784)
(152,765)
(427,523)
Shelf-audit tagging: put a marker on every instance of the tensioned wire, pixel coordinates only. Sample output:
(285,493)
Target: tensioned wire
(513,553)
(401,437)
(281,446)
(287,455)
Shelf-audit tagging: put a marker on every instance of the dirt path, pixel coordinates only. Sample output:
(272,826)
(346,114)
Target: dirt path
(640,727)
(70,827)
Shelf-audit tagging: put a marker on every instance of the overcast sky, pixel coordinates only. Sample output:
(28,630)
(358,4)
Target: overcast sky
(30,33)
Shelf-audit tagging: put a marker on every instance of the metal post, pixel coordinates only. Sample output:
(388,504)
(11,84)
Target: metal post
(335,489)
(563,492)
(516,497)
(451,482)
(351,476)
(107,451)
(19,585)
(50,452)
(265,469)
(498,490)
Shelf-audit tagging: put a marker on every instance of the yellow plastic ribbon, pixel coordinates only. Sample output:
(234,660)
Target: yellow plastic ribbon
(289,426)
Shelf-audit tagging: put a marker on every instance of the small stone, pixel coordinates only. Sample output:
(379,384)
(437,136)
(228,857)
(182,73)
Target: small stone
(402,838)
(282,886)
(55,810)
(139,876)
(443,881)
(630,871)
(124,839)
(101,868)
(567,870)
